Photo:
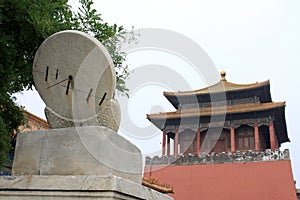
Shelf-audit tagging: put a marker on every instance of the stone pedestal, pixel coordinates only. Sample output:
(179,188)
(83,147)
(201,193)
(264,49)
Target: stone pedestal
(74,187)
(89,150)
(89,162)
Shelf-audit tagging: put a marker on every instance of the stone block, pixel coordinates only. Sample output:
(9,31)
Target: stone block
(89,150)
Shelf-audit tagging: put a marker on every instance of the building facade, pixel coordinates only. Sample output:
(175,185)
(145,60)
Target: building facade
(223,141)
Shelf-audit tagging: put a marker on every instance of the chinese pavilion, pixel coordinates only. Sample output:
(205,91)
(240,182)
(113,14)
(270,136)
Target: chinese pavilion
(246,113)
(222,137)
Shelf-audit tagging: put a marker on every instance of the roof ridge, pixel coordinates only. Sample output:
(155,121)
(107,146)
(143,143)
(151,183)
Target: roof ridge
(223,84)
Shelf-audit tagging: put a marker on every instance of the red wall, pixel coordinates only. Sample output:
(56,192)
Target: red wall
(269,180)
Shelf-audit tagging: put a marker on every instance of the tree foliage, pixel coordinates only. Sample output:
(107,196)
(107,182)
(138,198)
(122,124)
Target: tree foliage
(25,24)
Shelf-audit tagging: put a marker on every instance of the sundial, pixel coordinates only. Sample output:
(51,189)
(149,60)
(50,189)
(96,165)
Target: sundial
(75,76)
(81,155)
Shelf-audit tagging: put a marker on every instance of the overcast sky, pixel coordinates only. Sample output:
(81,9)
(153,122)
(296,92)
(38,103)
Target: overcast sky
(253,40)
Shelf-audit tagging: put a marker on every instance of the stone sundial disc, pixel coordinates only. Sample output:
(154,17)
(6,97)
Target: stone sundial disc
(74,75)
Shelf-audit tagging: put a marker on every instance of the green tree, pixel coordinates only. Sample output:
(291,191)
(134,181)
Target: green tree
(25,24)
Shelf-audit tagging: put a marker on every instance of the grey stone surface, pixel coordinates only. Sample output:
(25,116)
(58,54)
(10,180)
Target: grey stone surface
(88,150)
(74,187)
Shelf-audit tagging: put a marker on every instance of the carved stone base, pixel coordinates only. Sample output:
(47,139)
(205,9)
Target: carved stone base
(109,117)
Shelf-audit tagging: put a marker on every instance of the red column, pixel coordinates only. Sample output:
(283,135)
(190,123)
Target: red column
(168,147)
(256,137)
(232,138)
(226,142)
(272,135)
(198,141)
(176,143)
(163,143)
(276,142)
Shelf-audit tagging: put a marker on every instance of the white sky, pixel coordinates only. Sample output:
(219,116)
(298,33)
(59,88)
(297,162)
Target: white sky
(253,40)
